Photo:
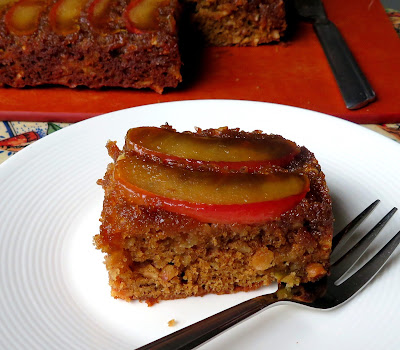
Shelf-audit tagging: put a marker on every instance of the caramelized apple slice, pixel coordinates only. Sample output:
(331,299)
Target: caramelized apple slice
(211,196)
(23,17)
(98,13)
(65,14)
(142,15)
(210,152)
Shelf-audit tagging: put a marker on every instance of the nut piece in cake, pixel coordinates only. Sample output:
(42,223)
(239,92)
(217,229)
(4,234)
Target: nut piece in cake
(173,230)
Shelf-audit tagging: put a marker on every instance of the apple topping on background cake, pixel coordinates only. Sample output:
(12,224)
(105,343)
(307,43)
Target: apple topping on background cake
(23,17)
(142,15)
(214,153)
(98,13)
(208,196)
(65,14)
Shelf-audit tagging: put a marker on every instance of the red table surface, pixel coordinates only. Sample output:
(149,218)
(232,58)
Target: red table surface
(294,73)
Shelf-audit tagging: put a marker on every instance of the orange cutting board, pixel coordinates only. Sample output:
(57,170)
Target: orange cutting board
(294,73)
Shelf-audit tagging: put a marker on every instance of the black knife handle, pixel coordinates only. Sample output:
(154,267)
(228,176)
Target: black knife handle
(353,84)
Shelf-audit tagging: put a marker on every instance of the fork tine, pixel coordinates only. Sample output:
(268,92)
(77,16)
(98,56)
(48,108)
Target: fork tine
(350,228)
(361,278)
(348,260)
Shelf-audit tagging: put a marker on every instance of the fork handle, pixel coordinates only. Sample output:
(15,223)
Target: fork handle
(196,334)
(353,84)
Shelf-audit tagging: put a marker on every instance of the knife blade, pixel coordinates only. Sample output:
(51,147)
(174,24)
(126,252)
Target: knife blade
(354,86)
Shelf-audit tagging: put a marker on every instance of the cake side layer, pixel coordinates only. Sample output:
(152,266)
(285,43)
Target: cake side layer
(154,254)
(242,23)
(91,54)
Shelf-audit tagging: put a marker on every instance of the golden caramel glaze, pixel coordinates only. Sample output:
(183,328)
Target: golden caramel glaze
(149,246)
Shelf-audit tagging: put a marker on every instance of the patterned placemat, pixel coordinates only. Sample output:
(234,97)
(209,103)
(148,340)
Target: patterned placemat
(15,136)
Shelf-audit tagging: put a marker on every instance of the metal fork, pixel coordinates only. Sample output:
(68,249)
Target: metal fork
(325,294)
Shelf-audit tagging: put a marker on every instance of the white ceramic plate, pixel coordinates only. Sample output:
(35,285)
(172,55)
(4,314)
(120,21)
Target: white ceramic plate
(54,292)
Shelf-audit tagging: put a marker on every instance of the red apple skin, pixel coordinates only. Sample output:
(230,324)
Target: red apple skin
(247,166)
(249,213)
(53,14)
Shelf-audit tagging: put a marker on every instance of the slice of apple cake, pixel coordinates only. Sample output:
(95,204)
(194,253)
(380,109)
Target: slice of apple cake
(215,211)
